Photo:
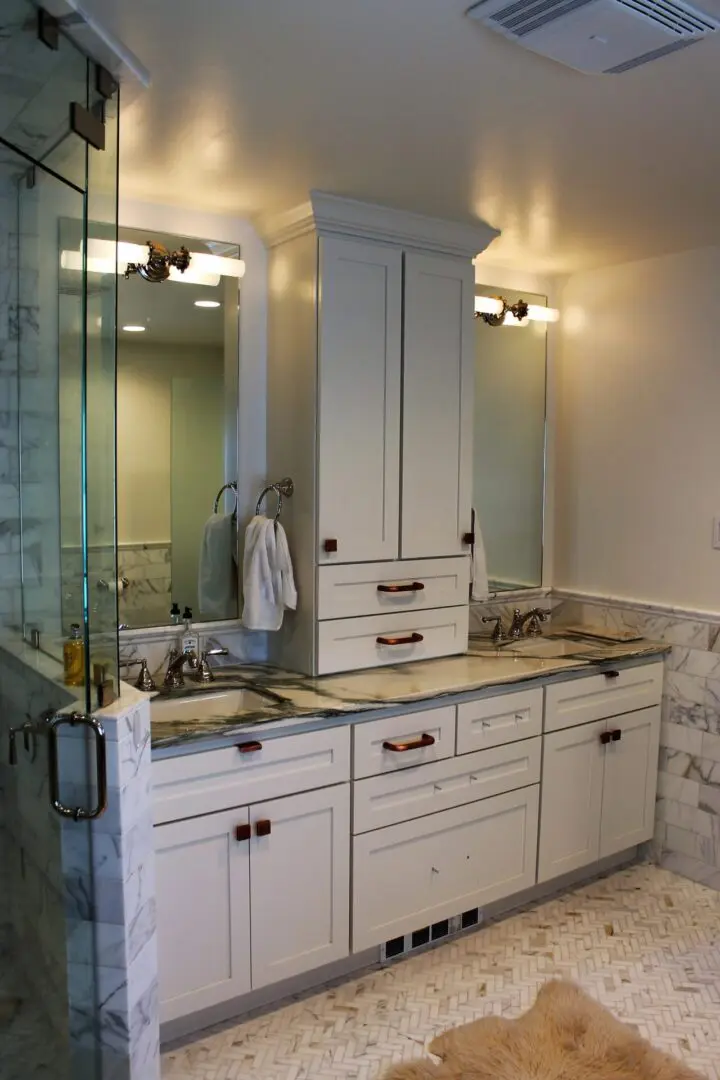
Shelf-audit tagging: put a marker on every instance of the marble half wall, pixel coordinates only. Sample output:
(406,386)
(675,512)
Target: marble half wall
(79,897)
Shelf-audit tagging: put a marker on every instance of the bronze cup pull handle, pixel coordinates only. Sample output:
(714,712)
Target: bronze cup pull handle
(611,674)
(414,744)
(409,639)
(414,586)
(249,747)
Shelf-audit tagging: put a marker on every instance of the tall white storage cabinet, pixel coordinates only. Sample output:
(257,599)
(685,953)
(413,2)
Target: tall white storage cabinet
(370,402)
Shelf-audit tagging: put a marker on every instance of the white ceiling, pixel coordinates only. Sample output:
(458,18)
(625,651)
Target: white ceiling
(407,102)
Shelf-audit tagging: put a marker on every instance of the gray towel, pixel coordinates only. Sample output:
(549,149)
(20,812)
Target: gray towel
(217,574)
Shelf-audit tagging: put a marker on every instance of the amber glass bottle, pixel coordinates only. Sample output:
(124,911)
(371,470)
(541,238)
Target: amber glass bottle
(74,657)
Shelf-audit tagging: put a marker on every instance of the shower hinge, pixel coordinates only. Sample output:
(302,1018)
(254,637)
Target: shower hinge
(87,126)
(104,82)
(48,29)
(30,177)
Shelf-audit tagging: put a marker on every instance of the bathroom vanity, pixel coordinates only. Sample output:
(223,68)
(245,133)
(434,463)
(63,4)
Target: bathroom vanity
(356,809)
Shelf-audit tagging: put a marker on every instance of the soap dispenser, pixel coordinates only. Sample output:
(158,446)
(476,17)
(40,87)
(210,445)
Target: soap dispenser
(74,657)
(190,638)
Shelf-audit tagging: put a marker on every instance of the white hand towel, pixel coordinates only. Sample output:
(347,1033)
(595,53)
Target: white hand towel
(217,573)
(479,589)
(268,583)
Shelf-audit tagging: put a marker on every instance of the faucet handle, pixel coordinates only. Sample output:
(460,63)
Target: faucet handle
(144,680)
(534,617)
(205,673)
(498,633)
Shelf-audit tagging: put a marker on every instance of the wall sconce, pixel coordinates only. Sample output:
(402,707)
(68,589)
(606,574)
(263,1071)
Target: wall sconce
(496,311)
(159,263)
(105,257)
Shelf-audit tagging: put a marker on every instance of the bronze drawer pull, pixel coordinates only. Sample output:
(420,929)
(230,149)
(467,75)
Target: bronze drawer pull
(415,586)
(616,735)
(330,545)
(411,639)
(414,744)
(242,832)
(611,674)
(605,737)
(249,747)
(468,538)
(263,828)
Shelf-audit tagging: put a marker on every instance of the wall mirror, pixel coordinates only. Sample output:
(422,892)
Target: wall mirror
(509,454)
(177,427)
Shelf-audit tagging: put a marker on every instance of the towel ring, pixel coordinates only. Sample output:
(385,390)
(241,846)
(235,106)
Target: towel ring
(226,487)
(283,488)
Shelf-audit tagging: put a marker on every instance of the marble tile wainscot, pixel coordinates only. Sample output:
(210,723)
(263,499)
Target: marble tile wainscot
(687,838)
(61,921)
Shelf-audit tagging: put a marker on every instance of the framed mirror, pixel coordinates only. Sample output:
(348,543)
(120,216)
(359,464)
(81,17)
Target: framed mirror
(509,432)
(177,409)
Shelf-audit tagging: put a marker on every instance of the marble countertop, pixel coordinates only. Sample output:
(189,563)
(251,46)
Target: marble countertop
(290,696)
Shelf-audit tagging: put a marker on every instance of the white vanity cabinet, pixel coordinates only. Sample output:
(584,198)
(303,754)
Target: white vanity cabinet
(251,895)
(599,776)
(286,852)
(370,410)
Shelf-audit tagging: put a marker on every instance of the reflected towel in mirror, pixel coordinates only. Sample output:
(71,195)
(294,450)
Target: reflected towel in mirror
(268,581)
(479,589)
(217,572)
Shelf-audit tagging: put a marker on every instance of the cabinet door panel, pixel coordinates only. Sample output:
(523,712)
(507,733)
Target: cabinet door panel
(572,778)
(360,334)
(630,783)
(300,890)
(408,876)
(437,405)
(203,902)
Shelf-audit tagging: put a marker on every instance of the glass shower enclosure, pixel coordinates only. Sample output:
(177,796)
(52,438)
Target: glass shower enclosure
(58,552)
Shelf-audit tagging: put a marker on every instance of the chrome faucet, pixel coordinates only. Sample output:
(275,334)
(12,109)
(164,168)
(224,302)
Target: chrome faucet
(533,618)
(174,677)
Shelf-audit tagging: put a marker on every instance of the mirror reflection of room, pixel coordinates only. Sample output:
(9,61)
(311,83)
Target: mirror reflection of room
(177,389)
(509,439)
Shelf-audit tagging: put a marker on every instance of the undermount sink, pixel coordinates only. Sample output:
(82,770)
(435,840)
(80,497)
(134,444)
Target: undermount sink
(222,703)
(544,648)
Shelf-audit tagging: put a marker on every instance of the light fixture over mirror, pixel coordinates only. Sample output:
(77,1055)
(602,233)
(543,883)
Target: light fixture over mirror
(498,311)
(159,263)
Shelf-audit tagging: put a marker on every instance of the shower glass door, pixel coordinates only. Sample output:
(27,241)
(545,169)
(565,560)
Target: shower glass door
(57,541)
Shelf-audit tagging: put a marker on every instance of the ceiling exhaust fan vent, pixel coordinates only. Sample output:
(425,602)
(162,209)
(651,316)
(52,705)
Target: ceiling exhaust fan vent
(598,36)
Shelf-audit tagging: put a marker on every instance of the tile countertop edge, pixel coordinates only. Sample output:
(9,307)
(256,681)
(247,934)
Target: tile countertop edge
(289,717)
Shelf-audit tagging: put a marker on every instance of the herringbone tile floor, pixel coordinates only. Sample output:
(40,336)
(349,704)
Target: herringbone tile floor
(643,942)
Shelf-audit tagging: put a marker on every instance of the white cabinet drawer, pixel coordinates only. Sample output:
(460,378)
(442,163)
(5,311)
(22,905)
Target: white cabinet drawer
(496,720)
(391,587)
(387,800)
(579,701)
(433,730)
(413,874)
(351,644)
(253,769)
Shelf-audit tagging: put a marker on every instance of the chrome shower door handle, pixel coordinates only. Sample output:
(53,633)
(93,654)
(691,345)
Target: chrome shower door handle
(77,813)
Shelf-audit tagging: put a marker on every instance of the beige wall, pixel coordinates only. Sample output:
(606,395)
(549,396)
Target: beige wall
(638,437)
(144,408)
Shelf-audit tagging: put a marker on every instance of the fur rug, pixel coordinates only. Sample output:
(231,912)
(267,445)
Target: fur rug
(564,1036)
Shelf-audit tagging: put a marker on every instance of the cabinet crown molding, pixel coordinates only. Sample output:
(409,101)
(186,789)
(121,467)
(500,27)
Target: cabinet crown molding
(334,215)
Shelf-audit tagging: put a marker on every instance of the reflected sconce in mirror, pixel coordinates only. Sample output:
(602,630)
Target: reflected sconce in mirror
(106,257)
(496,311)
(159,263)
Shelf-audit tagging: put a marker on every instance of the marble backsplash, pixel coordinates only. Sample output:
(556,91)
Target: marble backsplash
(687,837)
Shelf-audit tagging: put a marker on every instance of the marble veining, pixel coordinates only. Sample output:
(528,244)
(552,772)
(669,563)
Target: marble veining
(290,695)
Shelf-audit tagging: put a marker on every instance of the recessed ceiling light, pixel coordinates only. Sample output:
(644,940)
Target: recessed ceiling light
(134,329)
(207,303)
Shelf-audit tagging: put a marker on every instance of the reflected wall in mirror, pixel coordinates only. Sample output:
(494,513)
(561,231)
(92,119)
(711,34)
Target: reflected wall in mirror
(177,390)
(509,454)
